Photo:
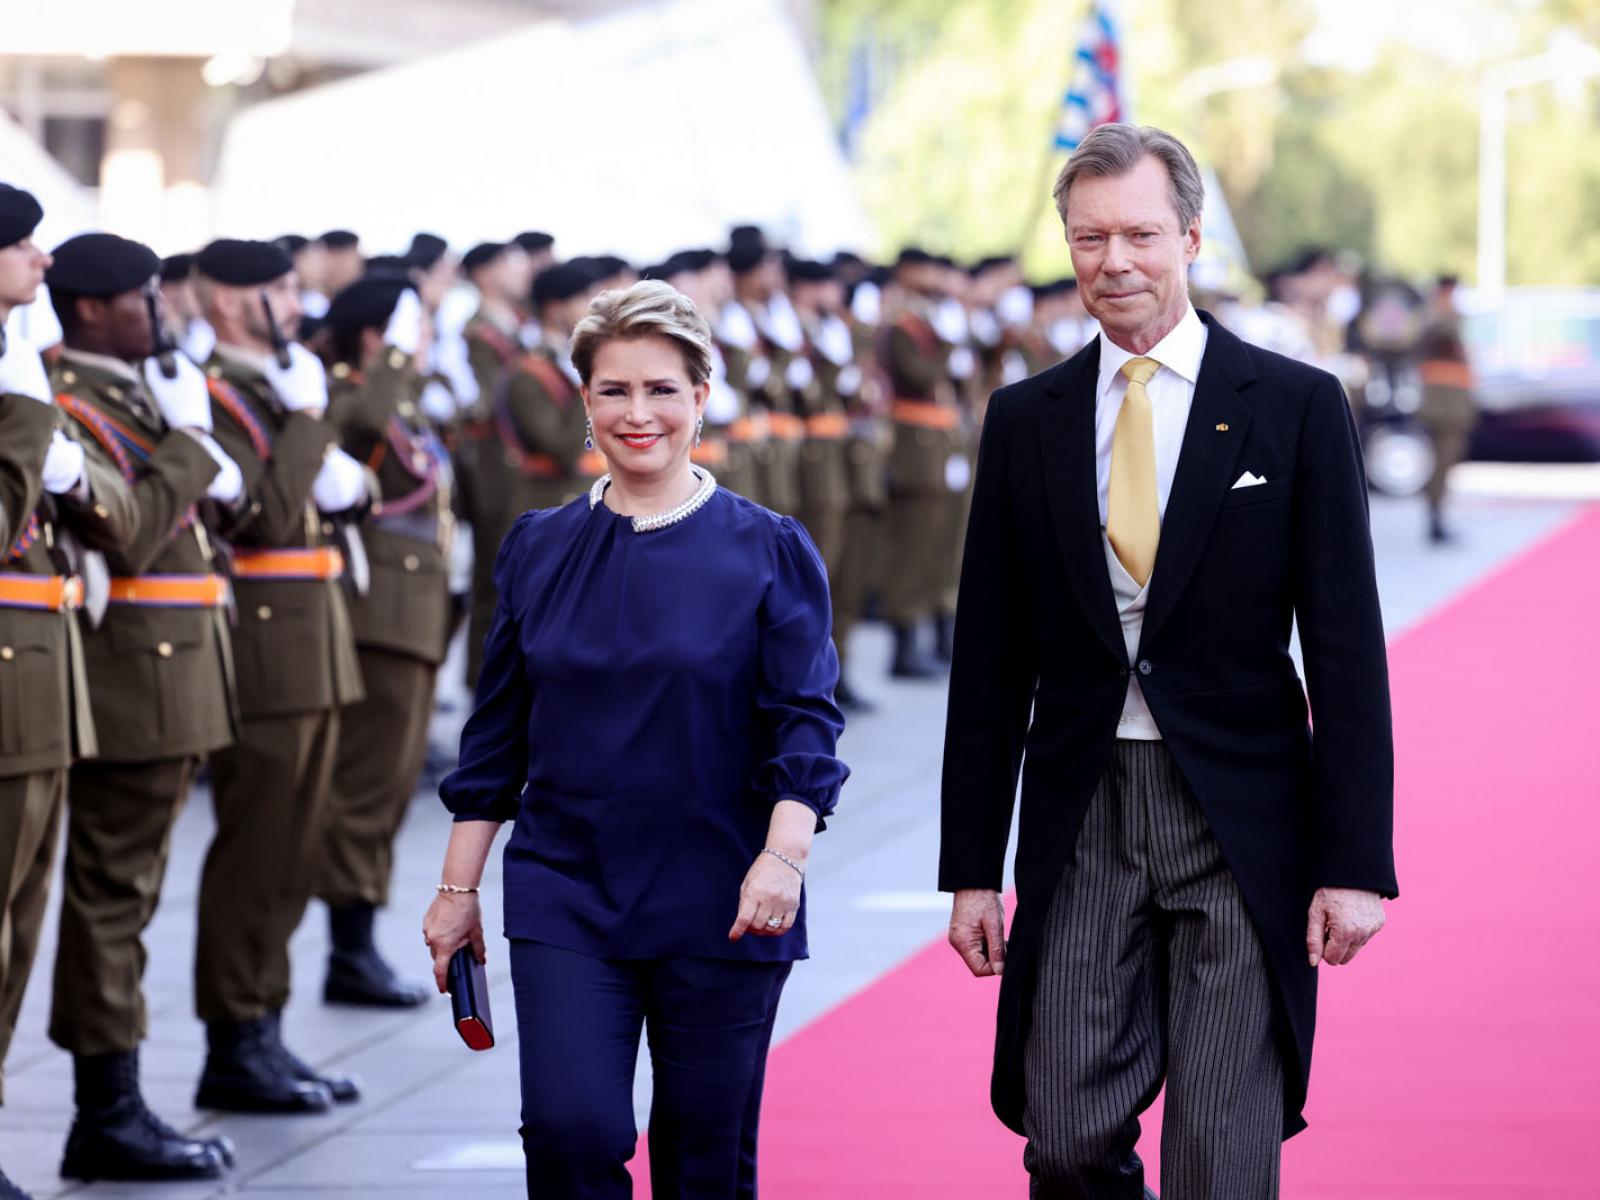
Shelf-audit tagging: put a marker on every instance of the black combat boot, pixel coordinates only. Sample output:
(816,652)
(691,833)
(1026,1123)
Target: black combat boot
(10,1191)
(909,662)
(244,1073)
(357,973)
(944,637)
(115,1136)
(343,1088)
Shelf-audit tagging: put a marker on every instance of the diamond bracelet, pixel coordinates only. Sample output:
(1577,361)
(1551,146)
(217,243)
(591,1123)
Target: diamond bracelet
(784,858)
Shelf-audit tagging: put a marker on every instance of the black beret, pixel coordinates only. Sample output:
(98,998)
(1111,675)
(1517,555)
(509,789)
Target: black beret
(803,270)
(340,239)
(604,266)
(426,249)
(744,257)
(482,255)
(746,235)
(560,282)
(684,262)
(913,256)
(394,268)
(243,264)
(176,267)
(365,304)
(101,264)
(19,214)
(653,271)
(292,243)
(848,258)
(533,240)
(990,263)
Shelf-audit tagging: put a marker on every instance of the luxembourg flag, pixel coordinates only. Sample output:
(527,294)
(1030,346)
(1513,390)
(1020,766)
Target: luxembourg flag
(1096,94)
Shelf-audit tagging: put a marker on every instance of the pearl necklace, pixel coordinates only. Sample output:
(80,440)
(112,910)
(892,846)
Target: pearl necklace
(654,521)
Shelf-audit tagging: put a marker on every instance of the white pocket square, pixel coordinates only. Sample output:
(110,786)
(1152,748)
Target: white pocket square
(1248,480)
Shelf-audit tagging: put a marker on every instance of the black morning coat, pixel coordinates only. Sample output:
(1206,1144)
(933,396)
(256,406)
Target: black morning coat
(1041,668)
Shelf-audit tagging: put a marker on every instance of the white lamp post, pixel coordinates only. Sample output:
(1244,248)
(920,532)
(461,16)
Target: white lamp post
(1568,60)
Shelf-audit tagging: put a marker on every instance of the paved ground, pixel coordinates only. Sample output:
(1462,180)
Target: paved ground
(438,1121)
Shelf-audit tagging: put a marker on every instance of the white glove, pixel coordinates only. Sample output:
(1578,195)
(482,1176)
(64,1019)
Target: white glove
(438,402)
(962,362)
(404,331)
(184,400)
(199,340)
(63,464)
(798,374)
(228,483)
(22,371)
(341,484)
(304,385)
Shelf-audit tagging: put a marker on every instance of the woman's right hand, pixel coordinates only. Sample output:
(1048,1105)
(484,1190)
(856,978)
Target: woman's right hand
(452,922)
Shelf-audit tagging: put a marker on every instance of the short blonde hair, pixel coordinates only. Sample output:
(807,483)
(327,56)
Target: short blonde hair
(649,308)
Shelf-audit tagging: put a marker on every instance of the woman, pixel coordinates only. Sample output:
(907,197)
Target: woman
(656,716)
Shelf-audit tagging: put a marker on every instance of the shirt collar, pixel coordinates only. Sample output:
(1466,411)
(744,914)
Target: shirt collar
(240,356)
(1180,351)
(115,367)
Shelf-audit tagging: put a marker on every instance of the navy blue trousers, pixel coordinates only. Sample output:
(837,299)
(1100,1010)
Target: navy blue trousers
(709,1024)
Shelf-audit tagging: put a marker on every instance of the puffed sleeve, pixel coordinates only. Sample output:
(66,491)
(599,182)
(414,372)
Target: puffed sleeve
(493,768)
(798,672)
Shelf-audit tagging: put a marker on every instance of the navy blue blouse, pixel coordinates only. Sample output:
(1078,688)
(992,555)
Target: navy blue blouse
(645,699)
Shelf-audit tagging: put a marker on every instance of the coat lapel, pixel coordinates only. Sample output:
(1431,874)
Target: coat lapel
(1066,431)
(1206,470)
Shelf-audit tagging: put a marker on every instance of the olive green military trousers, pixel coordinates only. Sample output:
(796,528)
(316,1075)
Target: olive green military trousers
(860,568)
(270,791)
(383,741)
(920,525)
(119,830)
(30,814)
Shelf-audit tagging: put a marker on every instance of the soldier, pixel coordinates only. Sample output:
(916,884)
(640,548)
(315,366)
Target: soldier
(181,311)
(842,470)
(161,692)
(377,332)
(928,468)
(342,264)
(296,666)
(51,496)
(502,274)
(538,411)
(1448,413)
(540,248)
(760,323)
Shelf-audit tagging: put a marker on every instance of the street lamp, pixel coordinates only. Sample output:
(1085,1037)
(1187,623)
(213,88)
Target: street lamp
(1568,60)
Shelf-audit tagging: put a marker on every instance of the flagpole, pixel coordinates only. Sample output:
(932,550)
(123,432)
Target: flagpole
(1042,199)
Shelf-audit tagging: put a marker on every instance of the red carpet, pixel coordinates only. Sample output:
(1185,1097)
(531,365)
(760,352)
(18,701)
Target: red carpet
(1459,1057)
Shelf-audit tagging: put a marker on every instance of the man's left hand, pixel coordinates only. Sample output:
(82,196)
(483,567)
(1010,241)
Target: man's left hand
(1342,921)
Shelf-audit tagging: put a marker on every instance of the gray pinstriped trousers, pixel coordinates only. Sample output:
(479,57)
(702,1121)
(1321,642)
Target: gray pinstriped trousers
(1151,969)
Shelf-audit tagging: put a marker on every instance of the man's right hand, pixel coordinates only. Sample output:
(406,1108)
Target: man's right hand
(977,930)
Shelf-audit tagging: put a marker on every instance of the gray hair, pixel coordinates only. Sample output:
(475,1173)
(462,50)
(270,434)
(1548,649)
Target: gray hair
(649,308)
(1118,149)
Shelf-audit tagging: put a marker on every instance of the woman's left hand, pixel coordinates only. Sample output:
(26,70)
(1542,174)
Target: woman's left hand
(771,889)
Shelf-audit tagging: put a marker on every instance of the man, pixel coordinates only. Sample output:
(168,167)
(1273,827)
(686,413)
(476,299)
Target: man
(161,691)
(296,667)
(1448,412)
(502,274)
(342,263)
(928,467)
(181,311)
(54,502)
(1189,853)
(377,332)
(776,375)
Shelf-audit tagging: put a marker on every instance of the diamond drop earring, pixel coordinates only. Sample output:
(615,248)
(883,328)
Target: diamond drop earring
(699,428)
(588,434)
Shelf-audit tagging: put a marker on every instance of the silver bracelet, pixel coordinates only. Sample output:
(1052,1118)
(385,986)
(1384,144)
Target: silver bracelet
(450,889)
(784,858)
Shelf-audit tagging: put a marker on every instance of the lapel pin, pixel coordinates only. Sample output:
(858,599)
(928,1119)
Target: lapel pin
(1223,428)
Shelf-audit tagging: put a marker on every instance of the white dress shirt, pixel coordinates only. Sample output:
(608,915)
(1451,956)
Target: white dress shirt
(1171,392)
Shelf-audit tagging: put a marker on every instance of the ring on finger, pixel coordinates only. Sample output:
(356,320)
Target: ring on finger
(774,922)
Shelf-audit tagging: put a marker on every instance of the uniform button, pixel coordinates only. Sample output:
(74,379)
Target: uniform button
(101,511)
(327,529)
(341,370)
(69,378)
(114,392)
(7,653)
(407,409)
(411,562)
(1144,666)
(397,359)
(264,613)
(164,649)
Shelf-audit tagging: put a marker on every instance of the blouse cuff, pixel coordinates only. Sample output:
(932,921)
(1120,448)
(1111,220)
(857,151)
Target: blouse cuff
(810,779)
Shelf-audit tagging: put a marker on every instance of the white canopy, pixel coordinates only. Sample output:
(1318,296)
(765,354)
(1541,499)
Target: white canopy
(641,132)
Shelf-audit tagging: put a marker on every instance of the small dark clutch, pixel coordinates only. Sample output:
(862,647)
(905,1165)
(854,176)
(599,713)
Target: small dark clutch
(469,999)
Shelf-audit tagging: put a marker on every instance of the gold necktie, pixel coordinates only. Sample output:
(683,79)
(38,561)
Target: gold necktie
(1133,513)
